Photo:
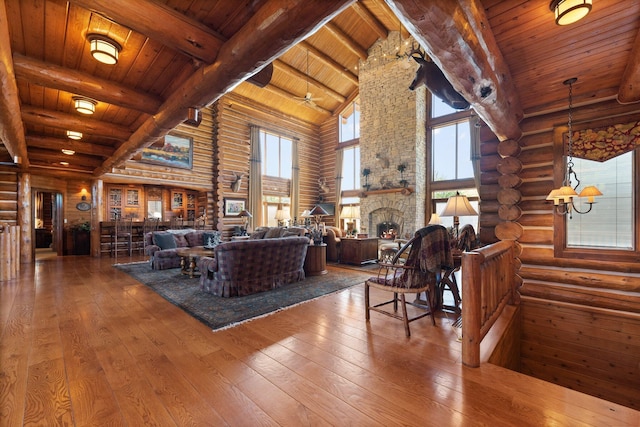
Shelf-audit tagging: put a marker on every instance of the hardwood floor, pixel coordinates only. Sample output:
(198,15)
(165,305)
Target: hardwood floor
(84,344)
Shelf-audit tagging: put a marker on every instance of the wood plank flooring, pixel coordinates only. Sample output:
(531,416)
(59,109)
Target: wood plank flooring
(85,344)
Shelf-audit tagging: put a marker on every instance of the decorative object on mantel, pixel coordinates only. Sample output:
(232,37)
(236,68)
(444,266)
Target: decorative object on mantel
(405,191)
(366,172)
(401,168)
(456,207)
(563,197)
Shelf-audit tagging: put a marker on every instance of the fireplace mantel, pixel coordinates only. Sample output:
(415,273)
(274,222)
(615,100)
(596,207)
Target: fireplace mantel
(405,191)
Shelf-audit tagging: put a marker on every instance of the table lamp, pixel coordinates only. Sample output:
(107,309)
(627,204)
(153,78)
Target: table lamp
(350,213)
(282,215)
(456,207)
(245,215)
(318,212)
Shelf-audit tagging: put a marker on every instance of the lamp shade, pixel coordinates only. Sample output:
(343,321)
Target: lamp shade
(350,212)
(458,205)
(590,192)
(74,135)
(318,211)
(435,219)
(306,214)
(84,105)
(282,214)
(570,11)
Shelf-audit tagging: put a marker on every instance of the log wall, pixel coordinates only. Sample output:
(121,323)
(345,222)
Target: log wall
(581,317)
(233,117)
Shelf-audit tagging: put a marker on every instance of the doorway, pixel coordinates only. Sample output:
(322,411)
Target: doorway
(47,224)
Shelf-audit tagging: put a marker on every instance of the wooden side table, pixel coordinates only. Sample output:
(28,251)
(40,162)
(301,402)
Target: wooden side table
(315,264)
(359,251)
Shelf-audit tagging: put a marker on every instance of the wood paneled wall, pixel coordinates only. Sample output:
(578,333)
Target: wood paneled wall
(581,318)
(233,117)
(8,197)
(329,142)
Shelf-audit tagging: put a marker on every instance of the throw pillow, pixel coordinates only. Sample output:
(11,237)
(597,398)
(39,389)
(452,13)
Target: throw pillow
(274,232)
(258,234)
(212,238)
(164,240)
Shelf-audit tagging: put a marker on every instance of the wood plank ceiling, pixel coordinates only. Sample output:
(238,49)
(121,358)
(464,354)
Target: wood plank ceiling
(179,54)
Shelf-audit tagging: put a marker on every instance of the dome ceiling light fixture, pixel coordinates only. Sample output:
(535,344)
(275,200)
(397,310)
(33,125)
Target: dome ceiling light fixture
(74,135)
(570,11)
(68,152)
(104,49)
(84,105)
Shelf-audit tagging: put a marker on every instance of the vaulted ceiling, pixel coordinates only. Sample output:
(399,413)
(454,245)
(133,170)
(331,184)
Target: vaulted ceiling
(507,57)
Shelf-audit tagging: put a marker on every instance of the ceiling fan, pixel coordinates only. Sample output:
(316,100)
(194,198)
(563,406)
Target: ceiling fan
(308,97)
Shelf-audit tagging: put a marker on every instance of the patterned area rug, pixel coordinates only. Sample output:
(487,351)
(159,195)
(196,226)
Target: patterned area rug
(217,312)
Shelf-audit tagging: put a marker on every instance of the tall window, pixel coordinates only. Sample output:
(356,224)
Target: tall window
(610,224)
(350,122)
(351,168)
(451,148)
(277,159)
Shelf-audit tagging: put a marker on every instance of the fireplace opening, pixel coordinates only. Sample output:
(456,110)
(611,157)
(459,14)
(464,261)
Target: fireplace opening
(387,230)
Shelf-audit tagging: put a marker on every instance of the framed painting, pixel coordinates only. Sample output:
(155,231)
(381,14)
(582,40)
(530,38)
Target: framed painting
(232,207)
(176,151)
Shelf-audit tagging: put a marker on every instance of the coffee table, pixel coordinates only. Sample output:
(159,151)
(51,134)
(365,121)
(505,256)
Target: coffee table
(189,259)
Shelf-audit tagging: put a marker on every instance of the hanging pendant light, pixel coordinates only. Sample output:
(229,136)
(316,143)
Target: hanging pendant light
(570,11)
(563,197)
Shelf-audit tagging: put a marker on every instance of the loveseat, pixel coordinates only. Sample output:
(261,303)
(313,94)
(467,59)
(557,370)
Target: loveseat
(161,246)
(246,267)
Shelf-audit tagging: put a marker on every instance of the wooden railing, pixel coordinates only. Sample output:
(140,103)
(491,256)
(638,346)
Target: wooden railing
(9,251)
(488,285)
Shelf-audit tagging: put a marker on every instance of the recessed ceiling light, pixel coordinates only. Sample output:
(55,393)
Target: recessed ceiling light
(64,163)
(84,105)
(103,49)
(68,152)
(74,135)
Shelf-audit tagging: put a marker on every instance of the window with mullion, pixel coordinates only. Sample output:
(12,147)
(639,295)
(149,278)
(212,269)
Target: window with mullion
(277,157)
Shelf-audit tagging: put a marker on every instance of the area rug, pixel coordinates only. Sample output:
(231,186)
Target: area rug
(217,312)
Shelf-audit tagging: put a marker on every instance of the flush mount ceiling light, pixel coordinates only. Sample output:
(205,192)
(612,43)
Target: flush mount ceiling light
(64,163)
(68,152)
(84,105)
(74,135)
(570,11)
(103,49)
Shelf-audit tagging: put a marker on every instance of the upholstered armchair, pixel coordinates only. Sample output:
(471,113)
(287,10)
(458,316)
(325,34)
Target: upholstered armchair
(334,235)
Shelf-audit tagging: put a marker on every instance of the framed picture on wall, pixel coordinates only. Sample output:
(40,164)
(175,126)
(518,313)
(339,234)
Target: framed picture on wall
(232,207)
(175,151)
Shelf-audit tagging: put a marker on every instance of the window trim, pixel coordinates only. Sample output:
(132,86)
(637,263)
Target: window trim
(560,249)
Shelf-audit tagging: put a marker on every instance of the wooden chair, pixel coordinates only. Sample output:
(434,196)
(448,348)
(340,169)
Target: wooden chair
(430,253)
(149,225)
(121,236)
(467,241)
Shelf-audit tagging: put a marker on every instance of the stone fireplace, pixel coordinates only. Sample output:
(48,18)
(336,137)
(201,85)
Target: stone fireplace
(393,133)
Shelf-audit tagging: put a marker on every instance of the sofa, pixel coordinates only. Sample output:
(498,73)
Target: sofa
(333,239)
(161,246)
(245,267)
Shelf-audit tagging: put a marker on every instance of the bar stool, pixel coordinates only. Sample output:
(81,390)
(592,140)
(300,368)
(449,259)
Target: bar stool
(121,236)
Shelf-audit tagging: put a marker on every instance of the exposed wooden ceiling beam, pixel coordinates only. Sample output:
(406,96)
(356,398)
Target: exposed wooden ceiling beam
(160,22)
(329,62)
(11,126)
(346,40)
(59,120)
(457,35)
(371,20)
(76,82)
(77,160)
(288,69)
(274,28)
(629,91)
(52,143)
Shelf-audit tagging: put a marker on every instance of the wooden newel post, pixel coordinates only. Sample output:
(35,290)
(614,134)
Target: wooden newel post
(9,251)
(472,316)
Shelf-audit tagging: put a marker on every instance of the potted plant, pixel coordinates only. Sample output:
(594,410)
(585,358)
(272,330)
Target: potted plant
(365,173)
(401,168)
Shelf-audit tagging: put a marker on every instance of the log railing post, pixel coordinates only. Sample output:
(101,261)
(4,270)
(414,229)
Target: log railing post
(9,251)
(471,317)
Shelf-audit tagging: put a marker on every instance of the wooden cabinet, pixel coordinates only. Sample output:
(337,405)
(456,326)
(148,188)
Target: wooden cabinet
(125,202)
(359,251)
(184,204)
